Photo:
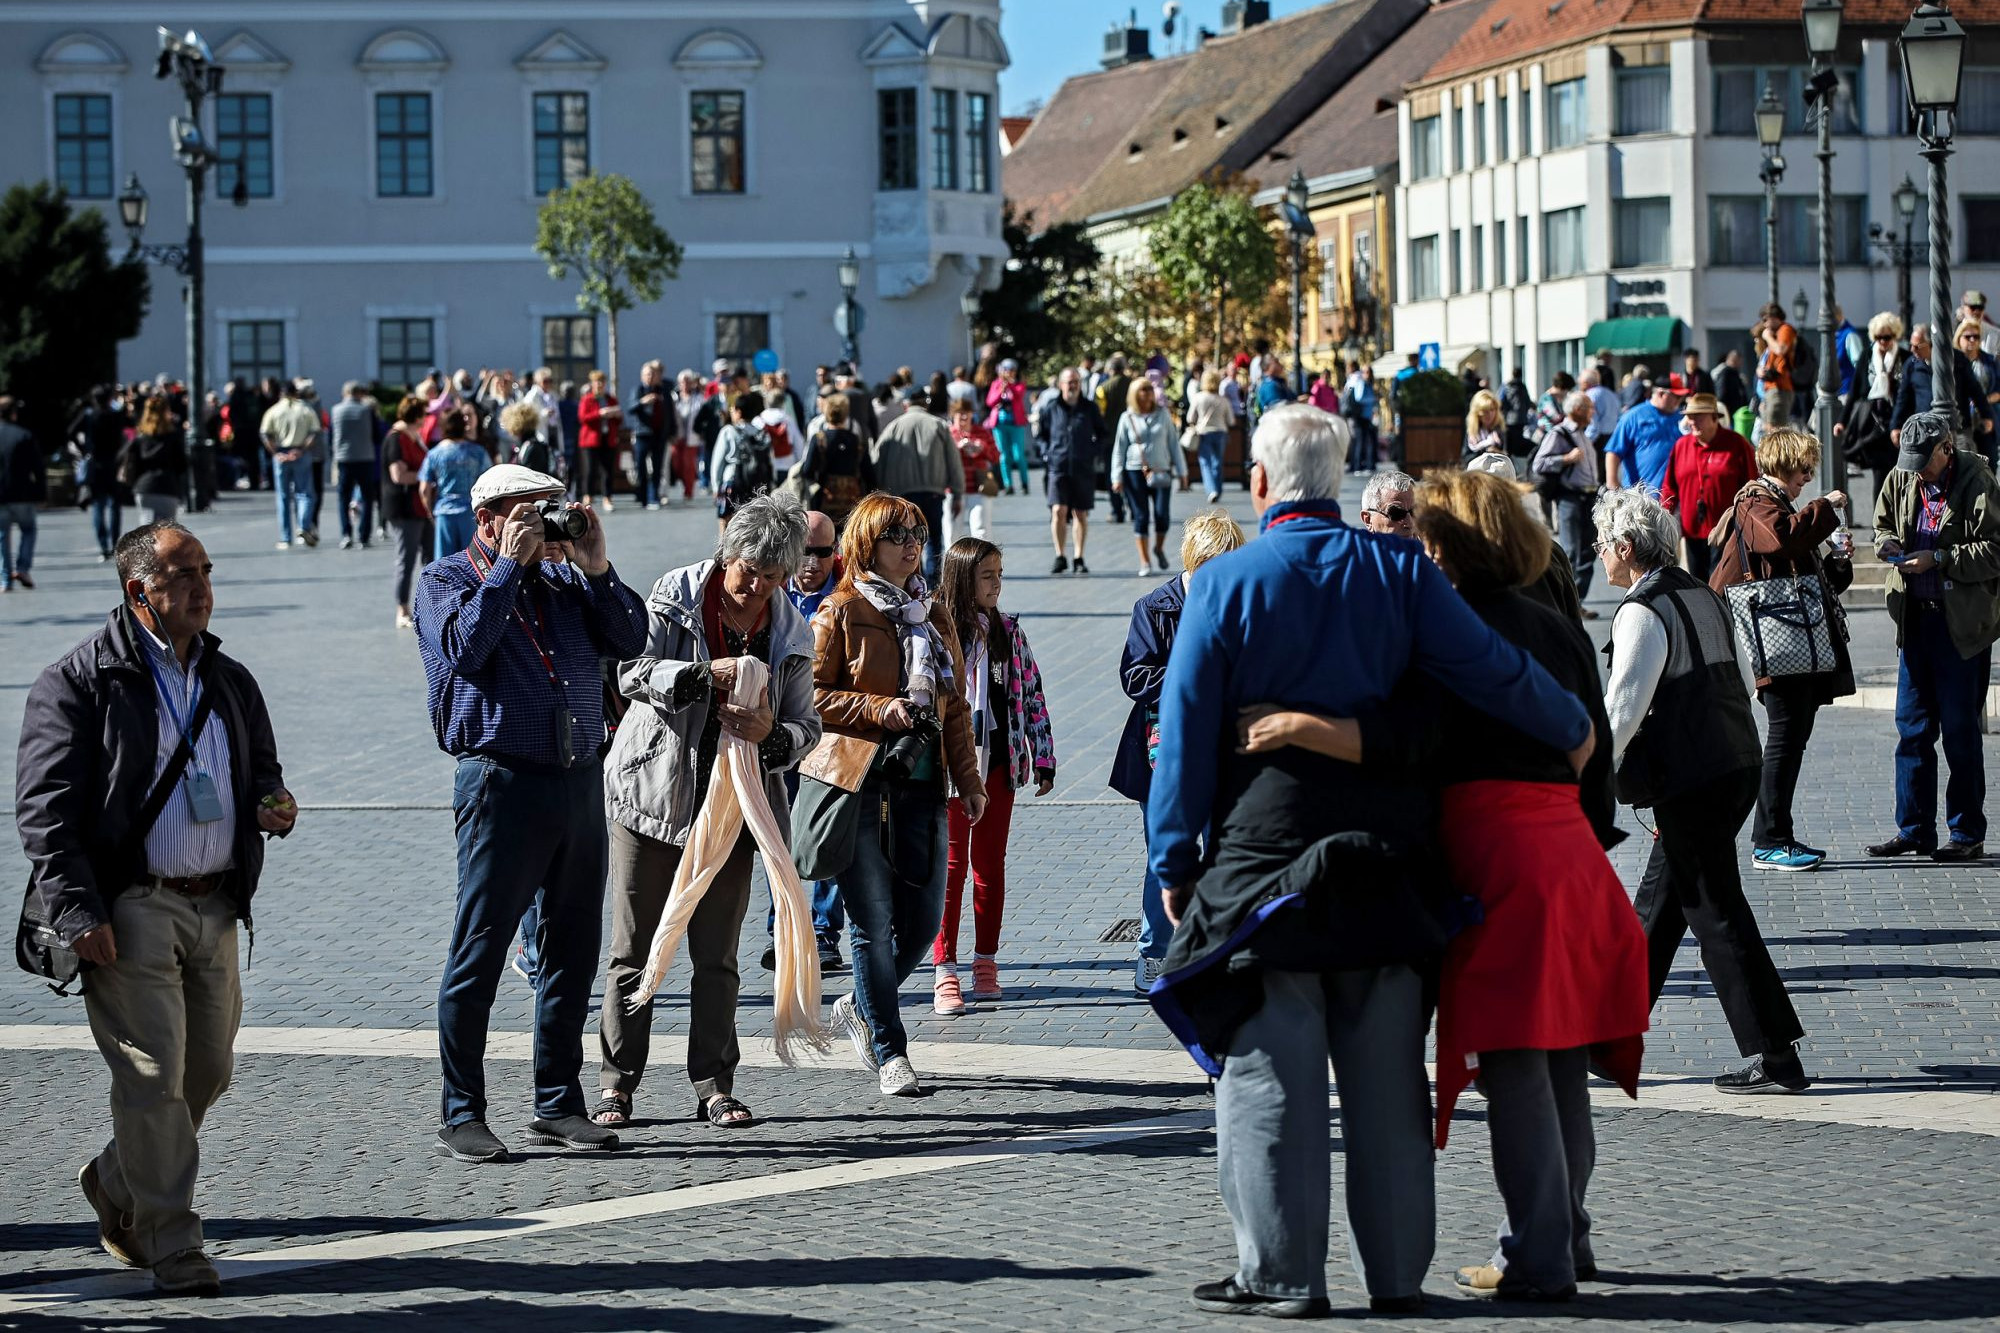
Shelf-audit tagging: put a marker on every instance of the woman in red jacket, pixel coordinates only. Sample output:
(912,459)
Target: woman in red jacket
(597,415)
(1709,465)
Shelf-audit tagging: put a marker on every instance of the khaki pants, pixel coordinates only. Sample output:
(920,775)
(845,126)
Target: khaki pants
(642,872)
(165,1017)
(1776,409)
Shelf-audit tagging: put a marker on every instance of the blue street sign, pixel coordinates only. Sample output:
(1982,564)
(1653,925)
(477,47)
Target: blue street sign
(1427,356)
(765,361)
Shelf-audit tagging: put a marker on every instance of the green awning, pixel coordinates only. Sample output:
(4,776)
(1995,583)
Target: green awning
(1652,335)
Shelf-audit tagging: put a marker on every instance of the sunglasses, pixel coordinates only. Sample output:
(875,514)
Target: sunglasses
(1885,337)
(898,535)
(1394,513)
(819,552)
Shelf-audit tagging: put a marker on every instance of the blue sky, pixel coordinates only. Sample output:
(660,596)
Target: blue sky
(1053,39)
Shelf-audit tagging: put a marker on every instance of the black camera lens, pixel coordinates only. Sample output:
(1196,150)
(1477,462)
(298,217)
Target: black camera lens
(562,522)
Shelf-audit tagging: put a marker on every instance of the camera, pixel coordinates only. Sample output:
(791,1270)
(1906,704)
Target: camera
(561,521)
(900,756)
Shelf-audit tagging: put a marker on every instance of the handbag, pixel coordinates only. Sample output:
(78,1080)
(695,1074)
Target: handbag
(827,810)
(1190,440)
(38,949)
(1784,624)
(989,483)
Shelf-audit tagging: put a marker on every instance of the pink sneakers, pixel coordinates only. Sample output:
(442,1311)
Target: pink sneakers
(985,979)
(946,998)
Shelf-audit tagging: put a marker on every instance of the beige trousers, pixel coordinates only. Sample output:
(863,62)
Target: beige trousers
(165,1017)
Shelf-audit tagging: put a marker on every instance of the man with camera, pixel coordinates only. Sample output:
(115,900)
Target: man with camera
(512,629)
(147,774)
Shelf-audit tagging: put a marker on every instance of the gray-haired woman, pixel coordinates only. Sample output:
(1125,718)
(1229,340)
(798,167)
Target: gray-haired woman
(1683,741)
(703,617)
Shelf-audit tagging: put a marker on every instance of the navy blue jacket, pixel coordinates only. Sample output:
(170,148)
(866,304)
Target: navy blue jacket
(1914,395)
(1142,673)
(1074,437)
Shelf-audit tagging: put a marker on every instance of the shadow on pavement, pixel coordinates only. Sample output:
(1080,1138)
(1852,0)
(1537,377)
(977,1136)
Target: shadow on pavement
(479,1313)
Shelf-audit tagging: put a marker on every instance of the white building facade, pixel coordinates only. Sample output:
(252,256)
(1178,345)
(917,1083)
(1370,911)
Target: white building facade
(1618,181)
(392,155)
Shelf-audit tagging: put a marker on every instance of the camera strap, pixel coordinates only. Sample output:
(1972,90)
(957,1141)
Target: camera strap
(484,566)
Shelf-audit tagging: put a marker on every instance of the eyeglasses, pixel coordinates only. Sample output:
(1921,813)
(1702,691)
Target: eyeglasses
(819,552)
(1885,337)
(898,535)
(1394,513)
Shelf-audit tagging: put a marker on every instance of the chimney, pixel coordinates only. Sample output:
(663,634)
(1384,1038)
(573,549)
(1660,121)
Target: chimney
(1127,43)
(1241,15)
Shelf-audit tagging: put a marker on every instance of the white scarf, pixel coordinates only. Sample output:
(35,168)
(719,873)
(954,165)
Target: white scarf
(1878,374)
(926,667)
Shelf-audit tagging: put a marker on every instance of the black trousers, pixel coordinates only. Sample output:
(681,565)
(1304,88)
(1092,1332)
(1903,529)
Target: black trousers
(1700,557)
(1791,704)
(1692,882)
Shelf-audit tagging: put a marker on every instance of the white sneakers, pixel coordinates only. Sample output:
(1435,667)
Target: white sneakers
(849,1021)
(899,1079)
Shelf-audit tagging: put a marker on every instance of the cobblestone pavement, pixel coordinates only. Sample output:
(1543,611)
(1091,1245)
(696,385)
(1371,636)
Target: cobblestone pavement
(1061,1173)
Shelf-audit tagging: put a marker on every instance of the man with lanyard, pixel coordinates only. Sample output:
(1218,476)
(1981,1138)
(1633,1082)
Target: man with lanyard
(147,772)
(512,630)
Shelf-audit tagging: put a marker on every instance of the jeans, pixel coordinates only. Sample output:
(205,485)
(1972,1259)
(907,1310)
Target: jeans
(1791,704)
(349,478)
(1273,1147)
(1013,445)
(523,837)
(982,847)
(314,486)
(1579,538)
(932,503)
(413,538)
(1361,450)
(107,517)
(1544,1149)
(894,891)
(649,463)
(1692,882)
(1156,932)
(17,514)
(1208,450)
(1938,693)
(293,483)
(829,918)
(1155,496)
(453,533)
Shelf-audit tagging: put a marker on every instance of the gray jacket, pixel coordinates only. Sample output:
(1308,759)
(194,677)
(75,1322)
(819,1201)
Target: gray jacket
(650,776)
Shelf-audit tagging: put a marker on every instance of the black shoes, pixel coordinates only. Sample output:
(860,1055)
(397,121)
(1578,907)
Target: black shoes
(1227,1297)
(1061,565)
(1960,851)
(1899,846)
(1767,1074)
(470,1142)
(1081,568)
(829,957)
(578,1133)
(769,962)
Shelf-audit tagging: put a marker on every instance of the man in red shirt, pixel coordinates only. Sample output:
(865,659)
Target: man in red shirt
(1709,465)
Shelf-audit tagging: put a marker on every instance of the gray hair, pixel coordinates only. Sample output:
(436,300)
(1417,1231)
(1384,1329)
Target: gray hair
(1383,485)
(1576,398)
(1634,517)
(137,555)
(1303,452)
(769,530)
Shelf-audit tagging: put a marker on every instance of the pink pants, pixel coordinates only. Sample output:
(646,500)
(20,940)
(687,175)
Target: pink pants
(985,845)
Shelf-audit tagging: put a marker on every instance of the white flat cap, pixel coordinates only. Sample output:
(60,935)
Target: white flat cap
(510,480)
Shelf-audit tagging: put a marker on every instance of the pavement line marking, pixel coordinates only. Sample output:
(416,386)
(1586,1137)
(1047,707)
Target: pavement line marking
(454,1235)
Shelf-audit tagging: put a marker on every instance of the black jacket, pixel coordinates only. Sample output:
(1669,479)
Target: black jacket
(89,742)
(1074,437)
(161,463)
(23,479)
(1913,395)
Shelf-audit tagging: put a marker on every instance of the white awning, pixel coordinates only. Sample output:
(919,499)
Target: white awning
(1453,359)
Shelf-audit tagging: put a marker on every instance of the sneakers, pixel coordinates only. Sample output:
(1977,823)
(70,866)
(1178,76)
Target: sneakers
(848,1019)
(188,1273)
(578,1133)
(1771,1074)
(829,956)
(946,999)
(282,546)
(1080,567)
(310,536)
(985,979)
(1791,856)
(1145,974)
(899,1079)
(520,966)
(114,1228)
(347,543)
(1231,1297)
(470,1142)
(1061,565)
(1145,571)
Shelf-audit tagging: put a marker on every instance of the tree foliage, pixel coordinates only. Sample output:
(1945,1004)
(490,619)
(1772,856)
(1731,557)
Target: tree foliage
(1046,301)
(603,229)
(65,304)
(1212,247)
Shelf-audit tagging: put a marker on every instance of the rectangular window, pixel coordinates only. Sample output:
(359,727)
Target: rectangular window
(1982,228)
(1562,242)
(1566,355)
(1329,276)
(978,142)
(243,145)
(1798,229)
(569,346)
(1642,232)
(1738,89)
(1527,109)
(944,139)
(738,338)
(1478,259)
(1458,138)
(1521,249)
(1457,261)
(1423,282)
(1426,150)
(1736,230)
(404,351)
(1500,150)
(1978,101)
(256,350)
(896,138)
(83,144)
(1565,126)
(403,145)
(1643,100)
(1500,252)
(562,140)
(1479,134)
(715,141)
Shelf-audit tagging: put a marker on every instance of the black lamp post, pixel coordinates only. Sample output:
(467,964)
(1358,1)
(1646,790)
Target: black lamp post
(1822,24)
(968,305)
(1901,246)
(1299,223)
(847,318)
(1770,117)
(188,59)
(1933,52)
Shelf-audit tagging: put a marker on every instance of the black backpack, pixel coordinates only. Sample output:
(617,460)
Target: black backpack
(754,472)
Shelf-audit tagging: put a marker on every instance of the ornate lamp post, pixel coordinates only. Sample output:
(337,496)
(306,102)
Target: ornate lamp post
(188,59)
(1822,24)
(1901,246)
(847,317)
(968,305)
(1933,52)
(1299,223)
(1770,117)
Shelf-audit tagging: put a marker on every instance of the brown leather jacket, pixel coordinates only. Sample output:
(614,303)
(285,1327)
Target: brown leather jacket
(857,670)
(1764,531)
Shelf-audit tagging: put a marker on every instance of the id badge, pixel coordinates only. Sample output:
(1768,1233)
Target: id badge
(565,737)
(204,801)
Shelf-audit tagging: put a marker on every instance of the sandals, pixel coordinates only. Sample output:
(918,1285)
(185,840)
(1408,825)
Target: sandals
(724,1112)
(613,1108)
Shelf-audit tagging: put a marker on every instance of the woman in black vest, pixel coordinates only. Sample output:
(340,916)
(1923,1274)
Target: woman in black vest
(1684,742)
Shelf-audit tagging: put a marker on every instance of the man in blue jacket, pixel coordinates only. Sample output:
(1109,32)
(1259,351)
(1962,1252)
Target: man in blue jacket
(1645,437)
(1320,617)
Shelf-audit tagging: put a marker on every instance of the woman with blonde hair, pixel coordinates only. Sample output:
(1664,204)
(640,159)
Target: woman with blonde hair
(1485,428)
(1147,462)
(1209,417)
(1871,402)
(159,461)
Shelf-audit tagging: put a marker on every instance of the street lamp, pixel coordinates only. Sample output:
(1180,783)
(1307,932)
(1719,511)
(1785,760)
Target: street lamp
(968,305)
(847,318)
(1800,309)
(1822,24)
(1299,223)
(1901,246)
(1770,117)
(1933,52)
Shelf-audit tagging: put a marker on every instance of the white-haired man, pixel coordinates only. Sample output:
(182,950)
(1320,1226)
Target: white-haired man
(1319,617)
(1388,504)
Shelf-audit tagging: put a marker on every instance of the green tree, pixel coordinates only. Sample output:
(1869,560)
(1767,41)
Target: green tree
(604,229)
(1047,292)
(64,304)
(1212,244)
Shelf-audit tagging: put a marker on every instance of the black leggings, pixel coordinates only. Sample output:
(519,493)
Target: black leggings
(596,472)
(1791,703)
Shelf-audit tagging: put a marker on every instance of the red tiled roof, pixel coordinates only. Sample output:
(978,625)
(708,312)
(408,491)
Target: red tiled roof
(1071,136)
